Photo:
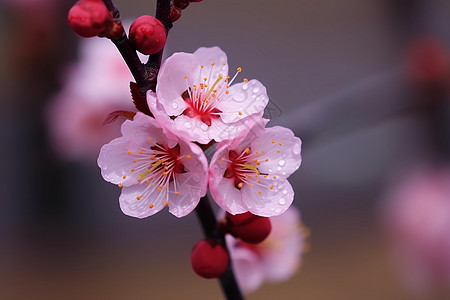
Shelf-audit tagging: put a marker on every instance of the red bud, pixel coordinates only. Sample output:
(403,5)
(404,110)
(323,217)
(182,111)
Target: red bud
(175,13)
(209,261)
(89,18)
(249,227)
(148,35)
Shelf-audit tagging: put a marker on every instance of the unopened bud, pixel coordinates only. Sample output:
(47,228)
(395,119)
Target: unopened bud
(175,13)
(148,35)
(181,4)
(89,18)
(249,228)
(208,260)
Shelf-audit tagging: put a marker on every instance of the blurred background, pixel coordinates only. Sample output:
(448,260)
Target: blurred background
(365,84)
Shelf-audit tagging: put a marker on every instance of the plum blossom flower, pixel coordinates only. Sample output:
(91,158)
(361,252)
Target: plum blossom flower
(276,259)
(195,97)
(250,172)
(416,219)
(154,168)
(94,86)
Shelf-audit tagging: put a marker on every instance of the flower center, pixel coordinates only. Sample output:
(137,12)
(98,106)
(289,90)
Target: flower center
(203,98)
(164,164)
(240,169)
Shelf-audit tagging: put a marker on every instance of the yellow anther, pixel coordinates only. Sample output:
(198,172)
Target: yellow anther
(188,156)
(149,139)
(166,203)
(185,76)
(120,185)
(247,150)
(224,63)
(213,63)
(139,181)
(148,181)
(274,177)
(165,187)
(266,160)
(159,188)
(273,141)
(250,184)
(239,69)
(148,171)
(240,185)
(222,159)
(140,151)
(259,192)
(245,80)
(265,176)
(124,176)
(151,206)
(240,113)
(262,151)
(177,193)
(201,66)
(135,160)
(205,79)
(271,187)
(132,170)
(280,143)
(258,181)
(129,153)
(278,151)
(256,152)
(227,92)
(138,198)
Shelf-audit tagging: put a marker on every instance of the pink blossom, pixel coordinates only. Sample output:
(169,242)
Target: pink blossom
(276,259)
(96,85)
(154,169)
(250,172)
(195,99)
(416,219)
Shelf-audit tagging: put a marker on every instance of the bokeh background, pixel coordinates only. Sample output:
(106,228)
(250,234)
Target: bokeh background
(341,74)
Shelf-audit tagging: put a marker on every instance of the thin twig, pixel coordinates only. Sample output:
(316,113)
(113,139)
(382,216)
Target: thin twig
(210,228)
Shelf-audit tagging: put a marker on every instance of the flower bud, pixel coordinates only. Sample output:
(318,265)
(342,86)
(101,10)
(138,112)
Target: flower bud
(208,260)
(248,227)
(181,4)
(148,35)
(89,18)
(175,13)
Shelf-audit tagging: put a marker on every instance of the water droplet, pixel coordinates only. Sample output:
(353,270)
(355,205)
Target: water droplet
(188,125)
(296,149)
(277,211)
(245,86)
(238,96)
(282,201)
(282,163)
(279,168)
(174,105)
(284,192)
(204,127)
(256,89)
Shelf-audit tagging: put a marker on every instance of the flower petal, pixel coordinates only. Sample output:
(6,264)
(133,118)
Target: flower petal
(205,56)
(222,189)
(172,83)
(150,200)
(264,201)
(244,99)
(281,149)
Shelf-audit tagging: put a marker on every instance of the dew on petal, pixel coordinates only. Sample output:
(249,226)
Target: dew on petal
(174,105)
(296,149)
(284,192)
(282,201)
(245,87)
(256,89)
(188,125)
(282,163)
(239,96)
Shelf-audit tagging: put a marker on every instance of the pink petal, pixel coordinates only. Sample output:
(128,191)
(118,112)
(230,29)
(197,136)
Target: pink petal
(244,99)
(266,202)
(148,195)
(205,56)
(281,139)
(172,84)
(222,189)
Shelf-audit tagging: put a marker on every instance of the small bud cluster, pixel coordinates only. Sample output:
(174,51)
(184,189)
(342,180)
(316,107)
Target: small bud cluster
(210,259)
(177,7)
